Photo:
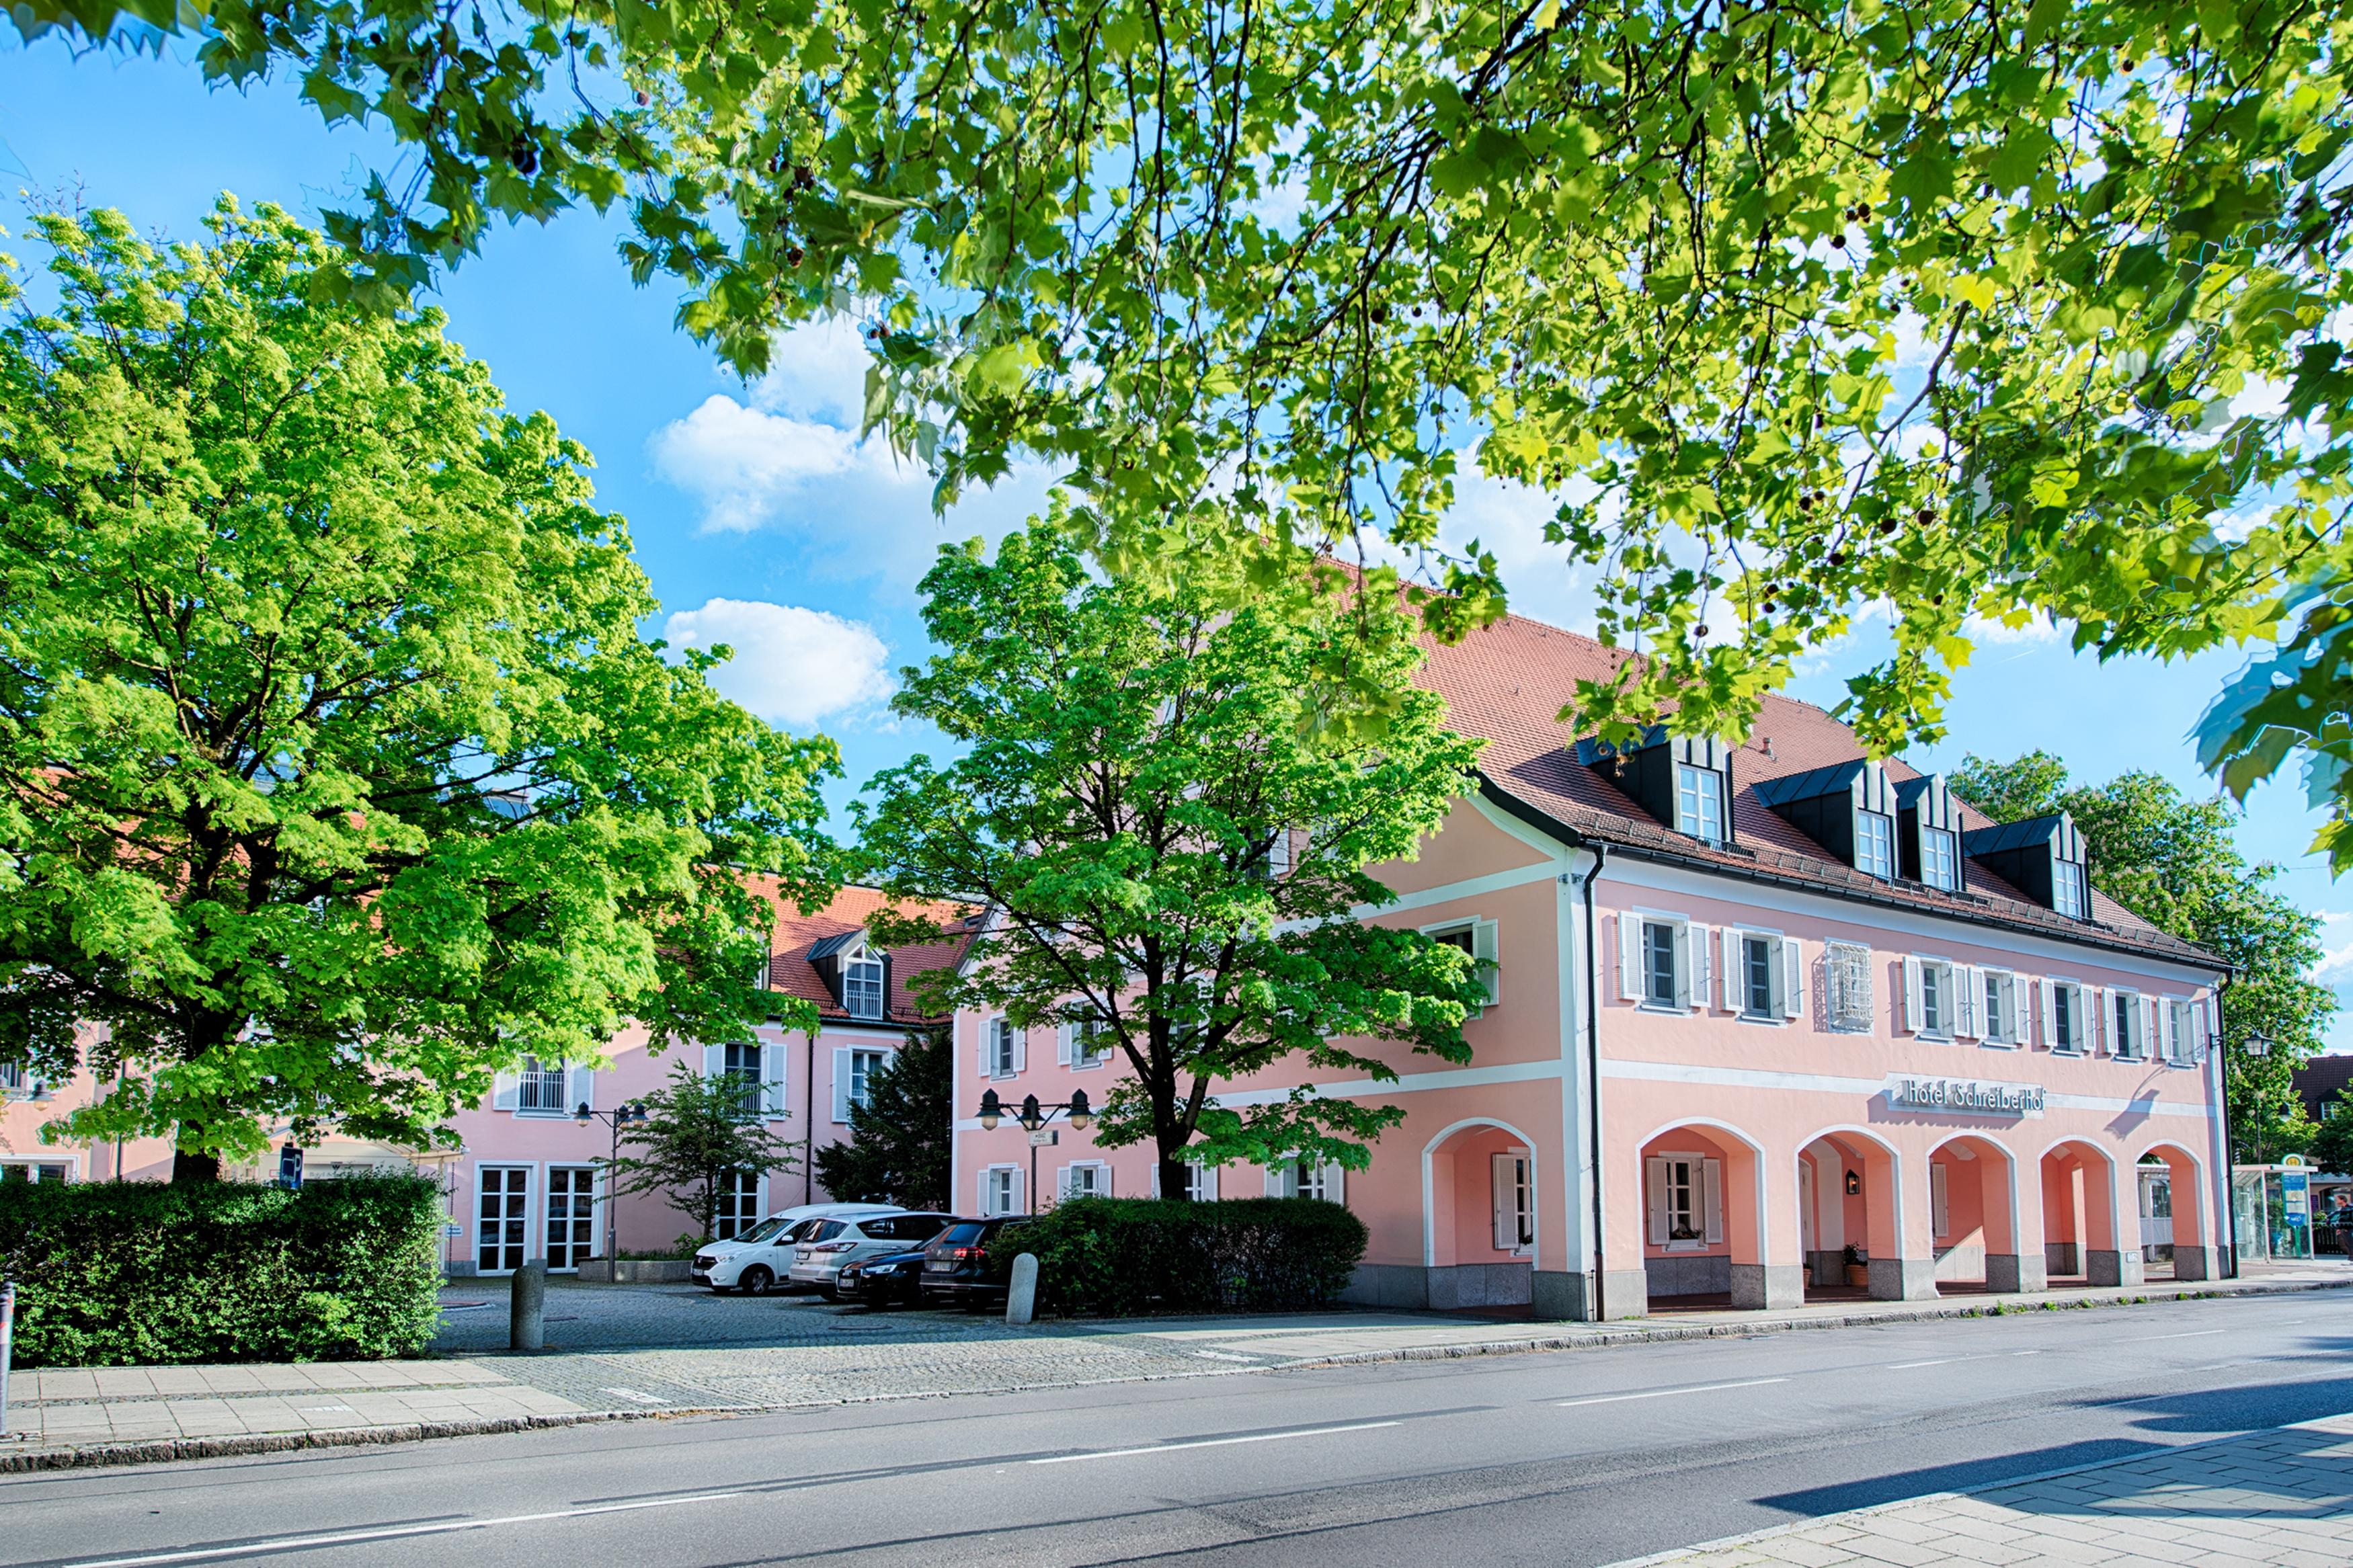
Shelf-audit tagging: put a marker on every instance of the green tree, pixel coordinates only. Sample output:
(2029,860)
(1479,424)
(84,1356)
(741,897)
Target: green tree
(699,1134)
(2171,860)
(1168,807)
(2332,1143)
(900,1148)
(335,776)
(1793,306)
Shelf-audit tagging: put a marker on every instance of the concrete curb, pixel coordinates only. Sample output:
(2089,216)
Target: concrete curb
(1594,1339)
(1775,1532)
(165,1451)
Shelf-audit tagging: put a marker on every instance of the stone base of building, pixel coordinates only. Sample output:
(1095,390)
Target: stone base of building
(2194,1263)
(1561,1298)
(1829,1268)
(2059,1258)
(1903,1279)
(1767,1286)
(1693,1276)
(2008,1273)
(1404,1287)
(1625,1293)
(2105,1266)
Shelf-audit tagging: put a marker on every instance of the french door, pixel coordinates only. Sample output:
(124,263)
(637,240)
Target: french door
(502,1218)
(571,1216)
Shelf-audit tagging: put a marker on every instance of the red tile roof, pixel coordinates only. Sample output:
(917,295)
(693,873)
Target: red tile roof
(1510,681)
(789,969)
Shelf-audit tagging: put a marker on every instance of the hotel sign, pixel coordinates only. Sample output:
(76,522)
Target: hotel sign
(1963,1096)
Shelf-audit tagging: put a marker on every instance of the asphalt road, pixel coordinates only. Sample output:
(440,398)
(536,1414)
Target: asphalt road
(1561,1459)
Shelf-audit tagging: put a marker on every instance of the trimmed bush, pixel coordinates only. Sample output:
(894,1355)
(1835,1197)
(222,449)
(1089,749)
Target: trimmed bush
(1121,1257)
(148,1274)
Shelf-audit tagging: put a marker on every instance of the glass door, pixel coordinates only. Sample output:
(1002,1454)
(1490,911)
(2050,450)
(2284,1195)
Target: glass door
(502,1218)
(571,1216)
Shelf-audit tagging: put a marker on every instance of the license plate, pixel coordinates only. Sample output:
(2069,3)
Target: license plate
(938,1268)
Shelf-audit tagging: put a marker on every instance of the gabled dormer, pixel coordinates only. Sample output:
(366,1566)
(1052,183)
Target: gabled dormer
(1685,784)
(2043,857)
(1928,832)
(1847,808)
(857,973)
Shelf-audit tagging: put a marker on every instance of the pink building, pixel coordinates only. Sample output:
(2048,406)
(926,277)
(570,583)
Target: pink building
(523,1182)
(1767,1019)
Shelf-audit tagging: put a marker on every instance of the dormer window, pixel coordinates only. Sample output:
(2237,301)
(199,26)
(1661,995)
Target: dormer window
(2042,857)
(1699,803)
(1874,844)
(2067,895)
(1940,860)
(862,985)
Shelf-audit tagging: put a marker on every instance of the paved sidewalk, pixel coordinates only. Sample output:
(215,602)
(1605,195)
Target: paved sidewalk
(620,1352)
(2283,1499)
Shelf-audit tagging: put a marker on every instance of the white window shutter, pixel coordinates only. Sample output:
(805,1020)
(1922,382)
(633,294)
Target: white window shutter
(714,1060)
(2161,1025)
(1940,1221)
(1793,978)
(505,1091)
(580,1088)
(1208,1182)
(987,1041)
(1020,1048)
(1504,1199)
(1913,1008)
(1964,1001)
(1696,988)
(1062,1034)
(1062,1184)
(1274,1182)
(772,1079)
(2045,991)
(1711,1193)
(980,1199)
(1485,946)
(1336,1184)
(841,1085)
(1654,1198)
(1630,958)
(1729,973)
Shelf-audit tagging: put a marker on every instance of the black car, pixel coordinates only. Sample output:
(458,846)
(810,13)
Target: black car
(893,1278)
(956,1264)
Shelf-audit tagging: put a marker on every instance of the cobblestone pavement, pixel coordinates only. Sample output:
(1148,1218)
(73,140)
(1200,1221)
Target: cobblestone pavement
(2283,1499)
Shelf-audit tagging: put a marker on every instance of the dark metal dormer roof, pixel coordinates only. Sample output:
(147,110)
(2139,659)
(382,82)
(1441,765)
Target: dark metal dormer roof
(1836,779)
(840,942)
(2056,829)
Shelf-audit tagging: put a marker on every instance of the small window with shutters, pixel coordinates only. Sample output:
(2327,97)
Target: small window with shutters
(1997,998)
(2180,1042)
(1934,1005)
(1479,940)
(1759,975)
(1685,1196)
(1001,1049)
(2125,1026)
(1662,961)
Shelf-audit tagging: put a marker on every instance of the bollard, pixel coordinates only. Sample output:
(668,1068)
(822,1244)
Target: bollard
(526,1329)
(1021,1296)
(7,1344)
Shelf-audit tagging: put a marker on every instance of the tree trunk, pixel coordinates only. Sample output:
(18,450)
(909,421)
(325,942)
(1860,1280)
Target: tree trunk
(188,1167)
(1176,1180)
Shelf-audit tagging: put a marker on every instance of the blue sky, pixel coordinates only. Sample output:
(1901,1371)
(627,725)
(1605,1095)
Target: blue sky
(763,522)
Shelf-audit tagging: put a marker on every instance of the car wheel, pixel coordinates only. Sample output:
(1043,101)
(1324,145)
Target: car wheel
(756,1280)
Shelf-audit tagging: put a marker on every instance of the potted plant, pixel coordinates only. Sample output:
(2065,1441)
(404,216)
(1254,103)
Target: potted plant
(1858,1267)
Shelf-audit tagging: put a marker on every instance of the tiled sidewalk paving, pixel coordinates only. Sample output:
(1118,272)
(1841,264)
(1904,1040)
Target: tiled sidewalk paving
(2283,1499)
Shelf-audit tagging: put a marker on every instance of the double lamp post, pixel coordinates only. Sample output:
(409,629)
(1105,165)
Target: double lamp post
(1033,1117)
(628,1114)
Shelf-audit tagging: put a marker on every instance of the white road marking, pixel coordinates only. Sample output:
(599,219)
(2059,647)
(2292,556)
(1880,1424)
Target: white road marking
(1663,1393)
(1212,1443)
(2026,1353)
(2198,1334)
(389,1533)
(1226,1355)
(633,1393)
(1940,1361)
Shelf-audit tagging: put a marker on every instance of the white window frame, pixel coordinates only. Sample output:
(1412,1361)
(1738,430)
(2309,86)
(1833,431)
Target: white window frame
(2070,875)
(2002,984)
(864,1062)
(1924,973)
(1085,1044)
(1098,1180)
(1690,816)
(2125,1001)
(2080,1039)
(532,1079)
(1884,868)
(2180,1031)
(993,1177)
(1687,946)
(531,1189)
(1297,1179)
(34,1166)
(856,986)
(1859,960)
(1702,1182)
(1785,982)
(12,1079)
(1951,859)
(1511,1174)
(572,1249)
(1001,1047)
(1482,940)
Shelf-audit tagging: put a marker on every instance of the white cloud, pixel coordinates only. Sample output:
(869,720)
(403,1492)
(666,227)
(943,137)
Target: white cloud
(791,665)
(746,464)
(2040,628)
(2336,946)
(817,372)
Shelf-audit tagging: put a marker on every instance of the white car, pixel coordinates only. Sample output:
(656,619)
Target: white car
(757,1262)
(827,1244)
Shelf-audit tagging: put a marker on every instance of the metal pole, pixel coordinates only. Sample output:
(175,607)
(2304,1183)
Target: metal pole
(612,1220)
(7,1344)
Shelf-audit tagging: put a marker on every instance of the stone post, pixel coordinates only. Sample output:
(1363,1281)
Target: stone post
(526,1328)
(1021,1296)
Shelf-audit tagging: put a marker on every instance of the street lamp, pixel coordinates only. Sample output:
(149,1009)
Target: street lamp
(627,1114)
(2259,1045)
(1034,1117)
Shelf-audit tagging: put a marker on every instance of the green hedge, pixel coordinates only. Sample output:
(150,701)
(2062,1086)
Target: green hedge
(1119,1257)
(147,1274)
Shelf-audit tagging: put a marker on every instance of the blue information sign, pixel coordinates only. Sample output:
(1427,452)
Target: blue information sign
(290,1167)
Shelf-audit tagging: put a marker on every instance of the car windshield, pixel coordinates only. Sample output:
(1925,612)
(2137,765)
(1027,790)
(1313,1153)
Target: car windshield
(764,1230)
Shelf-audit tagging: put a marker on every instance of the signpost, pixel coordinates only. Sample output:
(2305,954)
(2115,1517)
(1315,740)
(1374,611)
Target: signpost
(290,1166)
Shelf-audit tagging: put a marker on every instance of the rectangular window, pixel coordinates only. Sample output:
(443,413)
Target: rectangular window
(2068,895)
(741,1063)
(1847,991)
(12,1076)
(1699,803)
(1940,865)
(1201,1184)
(33,1172)
(540,1088)
(1757,967)
(1086,1181)
(1874,844)
(502,1218)
(999,1192)
(861,987)
(2181,1037)
(2066,1017)
(1514,1204)
(571,1214)
(2124,1019)
(2000,1019)
(739,1205)
(1001,1062)
(1659,986)
(863,1065)
(1090,1042)
(1935,985)
(1684,1217)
